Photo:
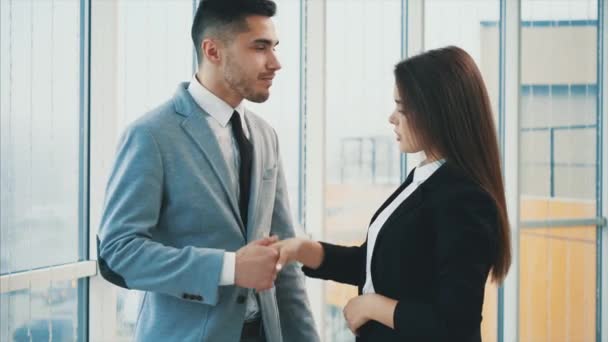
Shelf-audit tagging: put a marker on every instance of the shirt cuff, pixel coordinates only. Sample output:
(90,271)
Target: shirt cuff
(227,276)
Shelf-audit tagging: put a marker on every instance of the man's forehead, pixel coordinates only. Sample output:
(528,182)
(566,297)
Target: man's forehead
(260,28)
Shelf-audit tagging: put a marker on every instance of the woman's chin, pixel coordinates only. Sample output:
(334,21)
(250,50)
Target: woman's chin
(408,149)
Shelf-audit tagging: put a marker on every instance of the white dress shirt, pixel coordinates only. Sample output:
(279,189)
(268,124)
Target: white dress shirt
(219,120)
(421,174)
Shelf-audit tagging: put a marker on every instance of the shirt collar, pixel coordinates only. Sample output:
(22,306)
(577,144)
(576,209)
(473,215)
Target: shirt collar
(213,105)
(423,172)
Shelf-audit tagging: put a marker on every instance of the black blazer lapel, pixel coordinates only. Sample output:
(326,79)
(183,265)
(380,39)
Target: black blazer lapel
(403,185)
(411,203)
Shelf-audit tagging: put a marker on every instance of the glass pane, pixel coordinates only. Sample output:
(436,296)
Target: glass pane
(39,129)
(558,169)
(42,313)
(127,309)
(362,158)
(474,26)
(154,51)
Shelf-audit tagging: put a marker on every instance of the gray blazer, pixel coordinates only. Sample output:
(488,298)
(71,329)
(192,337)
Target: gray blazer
(169,215)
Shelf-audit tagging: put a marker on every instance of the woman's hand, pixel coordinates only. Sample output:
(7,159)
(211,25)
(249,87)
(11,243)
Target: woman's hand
(356,312)
(370,307)
(288,251)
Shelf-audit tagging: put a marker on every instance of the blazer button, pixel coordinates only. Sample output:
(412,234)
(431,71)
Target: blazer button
(240,299)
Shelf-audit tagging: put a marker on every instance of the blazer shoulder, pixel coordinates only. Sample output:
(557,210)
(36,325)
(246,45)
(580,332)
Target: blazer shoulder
(459,200)
(454,191)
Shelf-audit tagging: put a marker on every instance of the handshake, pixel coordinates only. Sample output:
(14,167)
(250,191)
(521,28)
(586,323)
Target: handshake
(258,263)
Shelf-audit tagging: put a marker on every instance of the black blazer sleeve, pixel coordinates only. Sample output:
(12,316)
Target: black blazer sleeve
(465,230)
(341,264)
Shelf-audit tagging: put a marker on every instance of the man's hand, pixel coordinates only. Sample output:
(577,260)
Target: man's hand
(288,251)
(256,265)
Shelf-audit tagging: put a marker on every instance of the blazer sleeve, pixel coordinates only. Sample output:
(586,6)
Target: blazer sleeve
(291,294)
(465,225)
(127,254)
(340,263)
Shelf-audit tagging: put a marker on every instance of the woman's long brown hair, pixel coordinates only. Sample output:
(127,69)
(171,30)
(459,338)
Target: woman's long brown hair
(448,106)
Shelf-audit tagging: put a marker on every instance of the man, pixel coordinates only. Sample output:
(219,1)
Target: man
(199,178)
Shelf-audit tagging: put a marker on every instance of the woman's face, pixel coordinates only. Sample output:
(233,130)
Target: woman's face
(399,119)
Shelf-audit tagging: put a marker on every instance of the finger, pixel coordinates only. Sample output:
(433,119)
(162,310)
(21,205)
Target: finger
(267,241)
(277,245)
(352,328)
(275,253)
(262,242)
(283,259)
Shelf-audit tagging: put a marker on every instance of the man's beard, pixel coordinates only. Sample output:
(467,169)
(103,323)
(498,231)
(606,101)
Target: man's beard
(237,81)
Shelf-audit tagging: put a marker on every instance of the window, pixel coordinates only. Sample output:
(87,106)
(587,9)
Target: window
(40,134)
(39,174)
(363,164)
(559,170)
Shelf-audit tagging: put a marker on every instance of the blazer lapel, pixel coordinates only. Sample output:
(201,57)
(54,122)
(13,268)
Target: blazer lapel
(396,193)
(410,204)
(256,176)
(408,181)
(196,126)
(388,201)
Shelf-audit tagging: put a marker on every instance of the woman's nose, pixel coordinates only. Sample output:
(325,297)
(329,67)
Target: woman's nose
(392,119)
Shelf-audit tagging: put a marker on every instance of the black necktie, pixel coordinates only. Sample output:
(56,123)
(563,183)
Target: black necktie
(246,153)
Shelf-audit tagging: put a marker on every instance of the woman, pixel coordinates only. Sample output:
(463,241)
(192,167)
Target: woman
(430,247)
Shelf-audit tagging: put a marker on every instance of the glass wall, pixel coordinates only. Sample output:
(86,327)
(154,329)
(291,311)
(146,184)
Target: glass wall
(362,158)
(558,170)
(39,172)
(44,312)
(40,134)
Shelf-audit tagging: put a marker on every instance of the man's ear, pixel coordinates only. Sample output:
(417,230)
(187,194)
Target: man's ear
(211,49)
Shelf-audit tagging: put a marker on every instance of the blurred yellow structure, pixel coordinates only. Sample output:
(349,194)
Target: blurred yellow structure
(557,273)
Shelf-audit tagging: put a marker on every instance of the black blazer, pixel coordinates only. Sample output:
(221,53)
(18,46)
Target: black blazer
(433,255)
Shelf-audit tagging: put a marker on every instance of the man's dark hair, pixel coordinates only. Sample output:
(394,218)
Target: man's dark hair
(224,18)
